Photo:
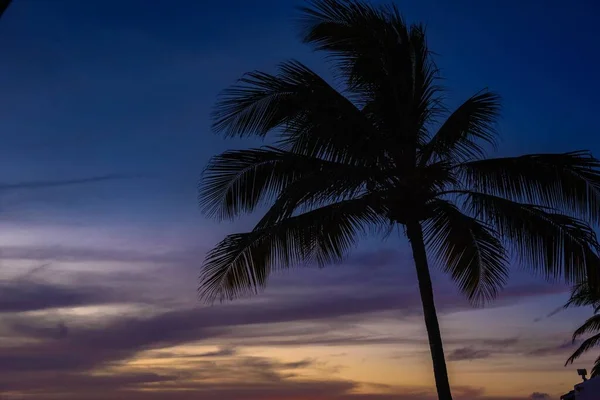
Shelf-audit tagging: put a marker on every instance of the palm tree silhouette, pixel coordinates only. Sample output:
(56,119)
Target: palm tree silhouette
(583,296)
(374,157)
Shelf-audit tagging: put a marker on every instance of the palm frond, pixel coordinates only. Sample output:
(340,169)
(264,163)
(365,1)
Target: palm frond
(335,134)
(237,181)
(426,93)
(260,102)
(353,33)
(469,251)
(241,263)
(583,295)
(559,246)
(591,325)
(385,63)
(585,346)
(466,131)
(314,191)
(566,181)
(596,368)
(309,115)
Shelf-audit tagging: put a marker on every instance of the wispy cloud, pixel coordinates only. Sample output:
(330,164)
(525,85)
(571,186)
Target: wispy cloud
(563,348)
(539,396)
(292,313)
(21,296)
(59,183)
(468,353)
(95,254)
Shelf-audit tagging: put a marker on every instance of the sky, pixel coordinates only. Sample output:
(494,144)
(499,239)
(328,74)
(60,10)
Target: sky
(98,280)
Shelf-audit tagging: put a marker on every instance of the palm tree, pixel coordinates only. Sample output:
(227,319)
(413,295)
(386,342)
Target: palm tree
(376,157)
(583,296)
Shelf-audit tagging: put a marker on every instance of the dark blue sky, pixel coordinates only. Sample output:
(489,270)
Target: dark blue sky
(90,87)
(93,87)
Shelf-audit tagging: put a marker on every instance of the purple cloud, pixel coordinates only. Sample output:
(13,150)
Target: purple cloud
(341,297)
(468,353)
(20,296)
(86,254)
(559,349)
(539,396)
(60,183)
(222,352)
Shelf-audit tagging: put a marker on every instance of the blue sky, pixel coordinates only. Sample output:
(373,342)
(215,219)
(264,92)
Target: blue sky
(89,88)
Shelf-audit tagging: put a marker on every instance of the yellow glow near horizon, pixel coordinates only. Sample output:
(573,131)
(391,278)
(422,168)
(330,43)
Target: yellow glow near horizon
(376,368)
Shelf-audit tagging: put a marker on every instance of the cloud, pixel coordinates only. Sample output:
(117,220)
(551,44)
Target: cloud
(519,291)
(20,296)
(468,353)
(298,364)
(222,352)
(129,386)
(560,349)
(91,346)
(501,342)
(374,275)
(383,257)
(247,376)
(550,314)
(77,382)
(72,346)
(300,311)
(539,396)
(59,183)
(90,254)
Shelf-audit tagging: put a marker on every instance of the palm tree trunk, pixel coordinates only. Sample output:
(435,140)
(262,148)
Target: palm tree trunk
(415,236)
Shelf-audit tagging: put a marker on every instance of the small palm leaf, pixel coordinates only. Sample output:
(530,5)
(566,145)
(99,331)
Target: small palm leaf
(587,344)
(583,295)
(591,325)
(596,368)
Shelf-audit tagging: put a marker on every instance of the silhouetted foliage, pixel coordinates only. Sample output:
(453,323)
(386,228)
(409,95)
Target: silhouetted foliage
(582,295)
(386,153)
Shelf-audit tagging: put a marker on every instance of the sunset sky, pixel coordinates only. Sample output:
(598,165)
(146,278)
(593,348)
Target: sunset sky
(98,280)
